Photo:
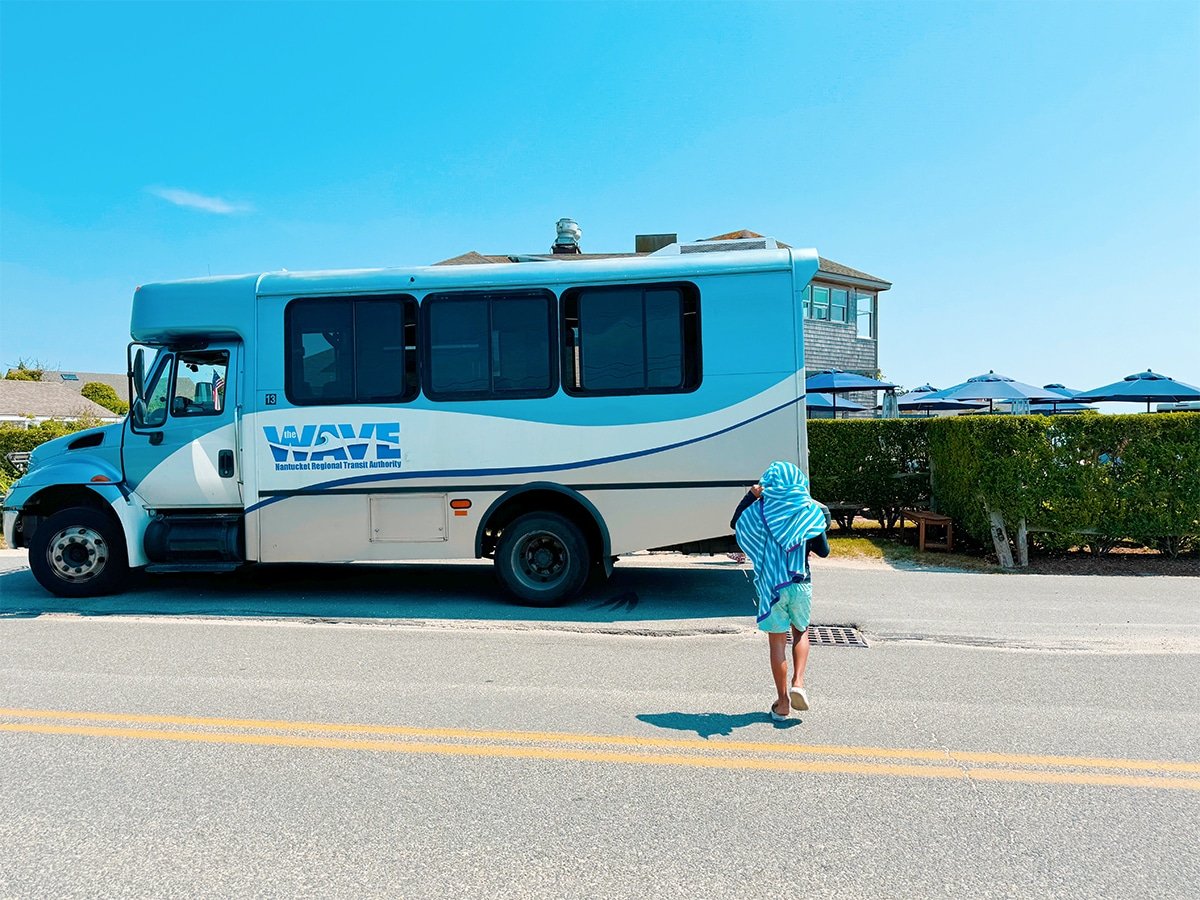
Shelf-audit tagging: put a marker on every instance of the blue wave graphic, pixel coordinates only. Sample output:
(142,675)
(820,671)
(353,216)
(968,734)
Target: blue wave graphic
(524,470)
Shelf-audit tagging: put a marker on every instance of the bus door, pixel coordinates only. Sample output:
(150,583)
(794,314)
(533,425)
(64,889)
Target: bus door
(181,446)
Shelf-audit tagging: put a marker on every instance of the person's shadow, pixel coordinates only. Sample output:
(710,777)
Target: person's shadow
(708,724)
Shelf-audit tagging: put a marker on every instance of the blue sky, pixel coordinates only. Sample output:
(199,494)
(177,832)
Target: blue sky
(1027,174)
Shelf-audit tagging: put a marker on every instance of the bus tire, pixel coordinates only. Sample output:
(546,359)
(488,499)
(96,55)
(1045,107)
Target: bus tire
(542,559)
(79,552)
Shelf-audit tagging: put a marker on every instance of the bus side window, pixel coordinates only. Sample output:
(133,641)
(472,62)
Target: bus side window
(631,339)
(351,350)
(489,345)
(200,383)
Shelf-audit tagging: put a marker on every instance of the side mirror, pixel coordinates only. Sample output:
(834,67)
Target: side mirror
(139,372)
(137,409)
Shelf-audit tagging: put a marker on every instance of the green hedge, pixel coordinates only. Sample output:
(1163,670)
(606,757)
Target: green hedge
(880,464)
(1075,480)
(14,439)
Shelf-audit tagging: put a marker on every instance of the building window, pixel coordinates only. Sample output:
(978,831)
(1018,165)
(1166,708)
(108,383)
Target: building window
(351,350)
(631,339)
(843,305)
(820,302)
(865,303)
(489,345)
(839,305)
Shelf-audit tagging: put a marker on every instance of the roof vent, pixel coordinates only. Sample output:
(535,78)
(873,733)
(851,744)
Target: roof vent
(765,243)
(648,243)
(569,235)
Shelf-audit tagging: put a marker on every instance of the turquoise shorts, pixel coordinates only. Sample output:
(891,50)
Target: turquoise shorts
(791,610)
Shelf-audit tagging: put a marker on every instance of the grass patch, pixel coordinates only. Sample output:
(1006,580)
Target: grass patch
(898,550)
(855,546)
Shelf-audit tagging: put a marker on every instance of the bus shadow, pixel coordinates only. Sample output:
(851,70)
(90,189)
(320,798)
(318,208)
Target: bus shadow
(434,591)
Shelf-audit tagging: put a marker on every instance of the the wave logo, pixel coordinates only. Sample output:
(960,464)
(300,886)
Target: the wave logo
(334,442)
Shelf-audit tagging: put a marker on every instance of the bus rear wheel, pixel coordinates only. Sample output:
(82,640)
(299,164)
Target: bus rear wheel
(79,552)
(542,559)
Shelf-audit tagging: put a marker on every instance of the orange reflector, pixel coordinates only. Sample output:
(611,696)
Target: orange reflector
(101,478)
(460,512)
(460,504)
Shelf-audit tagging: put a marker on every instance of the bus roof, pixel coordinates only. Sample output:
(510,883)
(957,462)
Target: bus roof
(222,307)
(547,272)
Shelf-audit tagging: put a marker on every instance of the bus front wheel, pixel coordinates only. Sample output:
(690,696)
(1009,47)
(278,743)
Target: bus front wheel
(79,552)
(542,559)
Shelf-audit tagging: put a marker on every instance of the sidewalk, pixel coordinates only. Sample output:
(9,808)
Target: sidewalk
(665,596)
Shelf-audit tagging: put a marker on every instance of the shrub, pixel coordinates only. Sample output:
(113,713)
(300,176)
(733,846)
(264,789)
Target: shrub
(881,464)
(1092,481)
(25,371)
(14,439)
(1075,480)
(106,396)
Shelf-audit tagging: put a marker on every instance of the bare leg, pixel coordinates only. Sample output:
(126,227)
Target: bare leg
(799,656)
(778,645)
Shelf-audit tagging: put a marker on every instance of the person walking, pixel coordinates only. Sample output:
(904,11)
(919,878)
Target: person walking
(778,524)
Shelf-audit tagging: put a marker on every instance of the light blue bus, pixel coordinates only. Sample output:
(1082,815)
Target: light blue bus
(548,415)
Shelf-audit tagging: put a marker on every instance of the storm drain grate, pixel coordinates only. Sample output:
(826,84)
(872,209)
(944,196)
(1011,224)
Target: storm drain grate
(834,636)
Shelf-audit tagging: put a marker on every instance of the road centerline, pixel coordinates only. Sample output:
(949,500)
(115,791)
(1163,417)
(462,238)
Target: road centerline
(900,762)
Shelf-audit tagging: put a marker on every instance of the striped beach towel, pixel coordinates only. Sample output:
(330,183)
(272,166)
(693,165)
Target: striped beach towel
(774,530)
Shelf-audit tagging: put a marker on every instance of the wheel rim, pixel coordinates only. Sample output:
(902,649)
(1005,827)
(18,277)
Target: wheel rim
(542,558)
(77,553)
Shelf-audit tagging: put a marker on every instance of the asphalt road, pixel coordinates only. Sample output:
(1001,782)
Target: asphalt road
(404,732)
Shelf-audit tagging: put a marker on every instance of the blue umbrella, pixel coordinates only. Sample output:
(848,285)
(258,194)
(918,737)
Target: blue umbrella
(1057,406)
(837,381)
(918,399)
(992,387)
(1045,409)
(1148,386)
(826,401)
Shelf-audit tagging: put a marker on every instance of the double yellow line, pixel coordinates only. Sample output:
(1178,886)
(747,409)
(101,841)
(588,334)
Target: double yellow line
(778,756)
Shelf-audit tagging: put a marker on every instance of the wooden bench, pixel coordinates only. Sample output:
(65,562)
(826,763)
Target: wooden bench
(924,517)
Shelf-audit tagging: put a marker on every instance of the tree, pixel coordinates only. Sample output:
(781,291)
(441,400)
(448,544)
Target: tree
(26,371)
(106,396)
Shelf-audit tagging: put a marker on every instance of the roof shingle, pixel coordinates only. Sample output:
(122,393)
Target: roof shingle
(44,400)
(119,383)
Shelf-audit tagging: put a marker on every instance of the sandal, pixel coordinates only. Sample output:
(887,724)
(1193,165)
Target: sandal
(798,697)
(776,717)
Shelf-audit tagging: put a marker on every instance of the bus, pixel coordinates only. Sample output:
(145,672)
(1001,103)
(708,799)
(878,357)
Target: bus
(547,415)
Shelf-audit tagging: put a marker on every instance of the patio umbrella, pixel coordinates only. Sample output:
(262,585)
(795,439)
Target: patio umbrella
(1045,409)
(1057,406)
(826,401)
(837,381)
(1149,386)
(918,399)
(992,387)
